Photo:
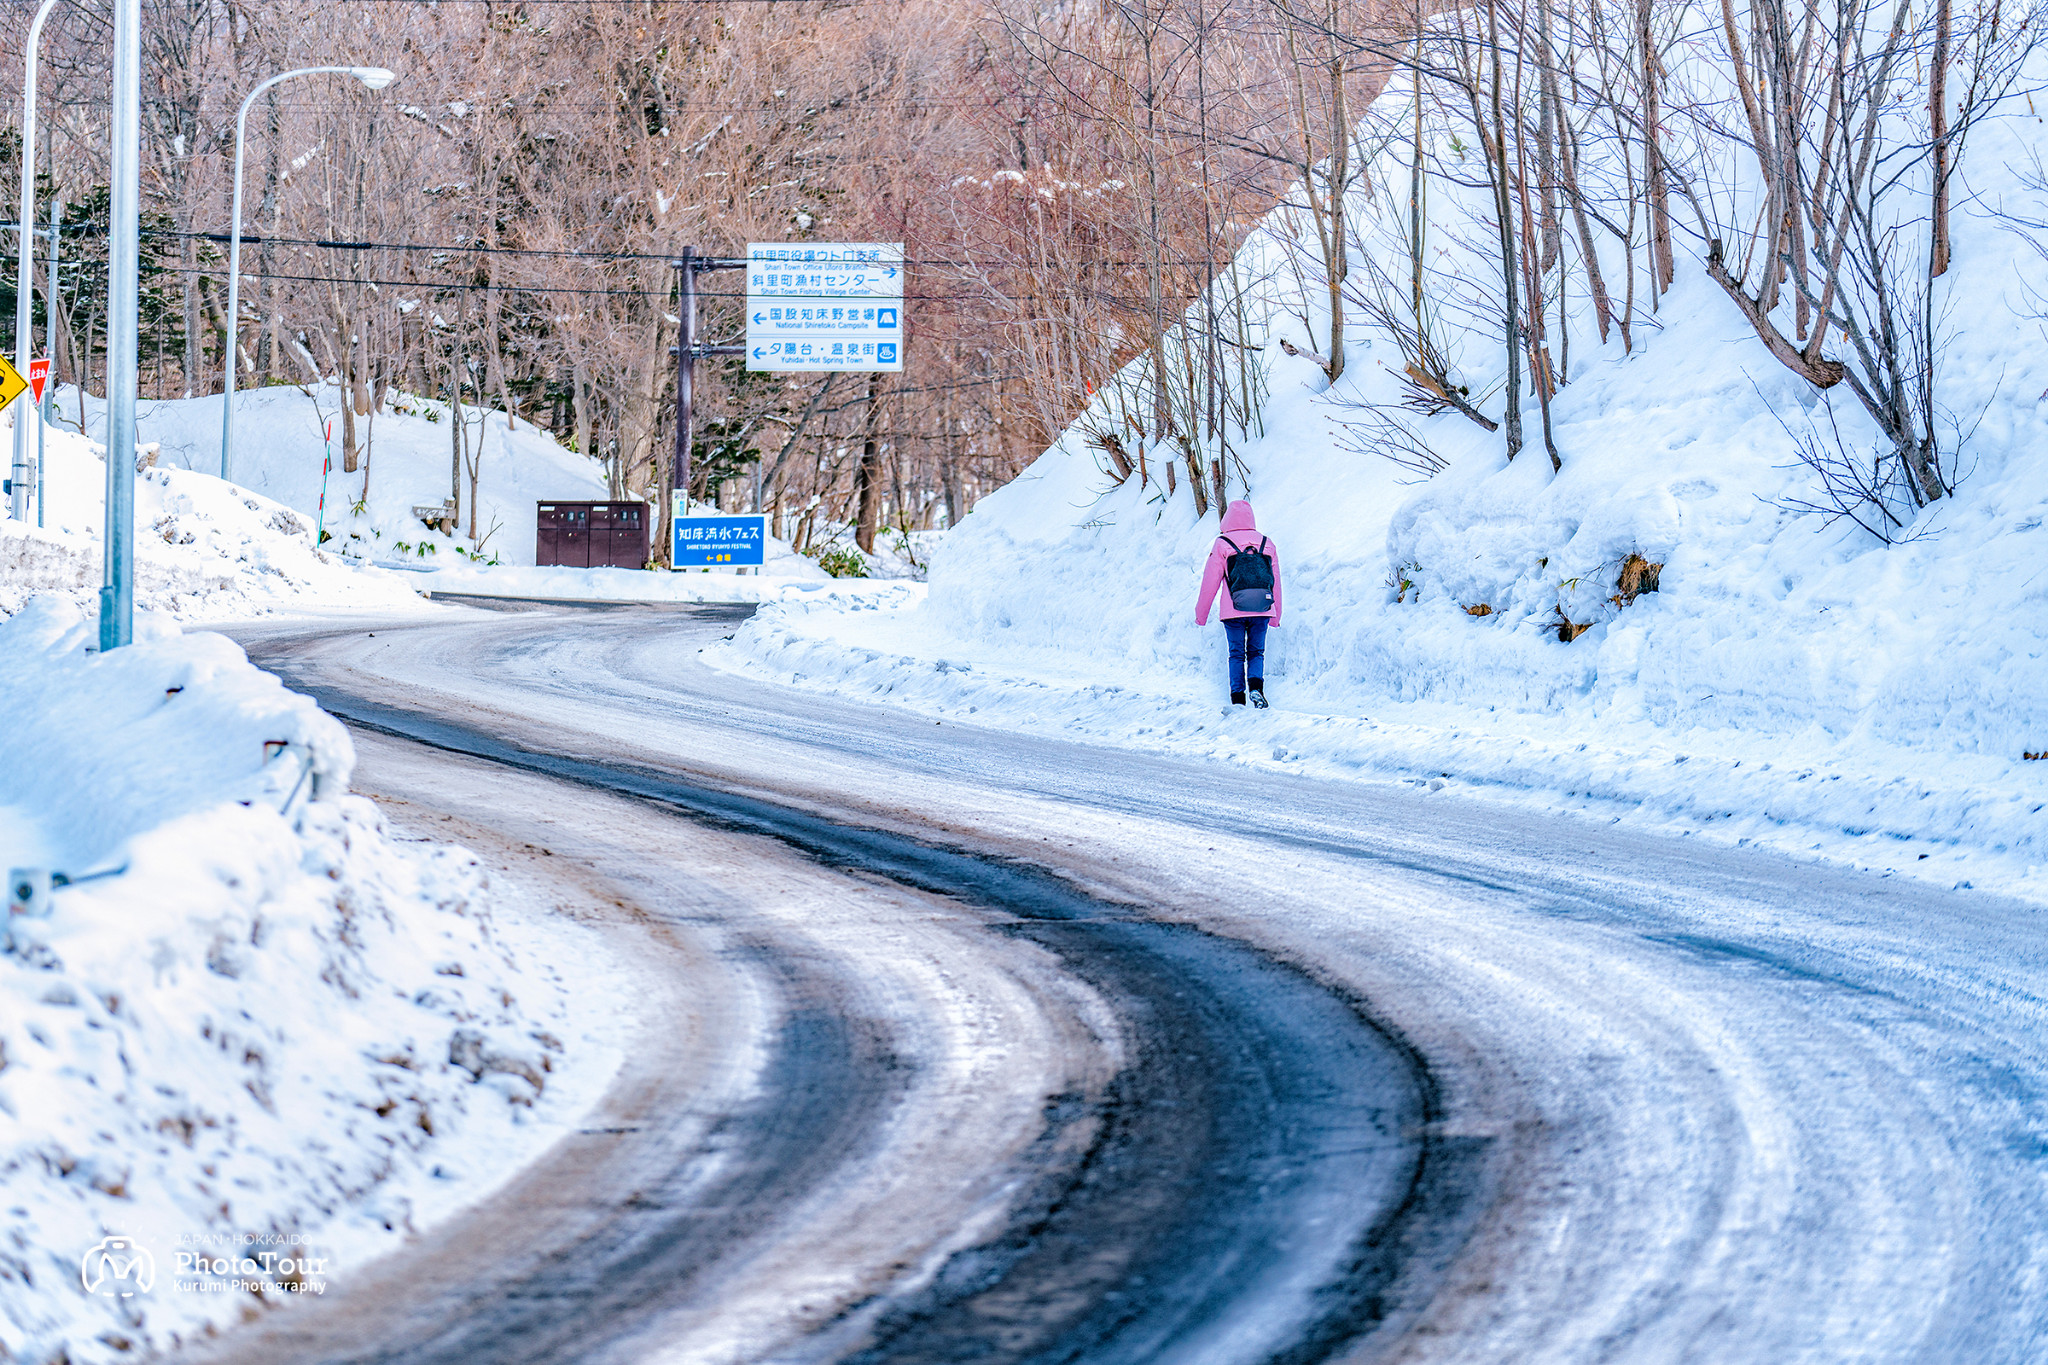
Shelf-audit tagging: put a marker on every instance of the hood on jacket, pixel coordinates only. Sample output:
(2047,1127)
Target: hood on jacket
(1238,517)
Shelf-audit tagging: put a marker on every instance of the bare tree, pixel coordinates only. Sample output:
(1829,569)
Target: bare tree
(1845,199)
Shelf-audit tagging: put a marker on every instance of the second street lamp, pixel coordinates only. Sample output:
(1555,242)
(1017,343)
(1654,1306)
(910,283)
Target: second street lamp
(24,283)
(376,78)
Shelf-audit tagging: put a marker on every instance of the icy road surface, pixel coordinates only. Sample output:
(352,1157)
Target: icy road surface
(965,1046)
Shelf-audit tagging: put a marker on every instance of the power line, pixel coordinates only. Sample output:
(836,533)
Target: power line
(602,106)
(429,286)
(828,5)
(249,239)
(591,291)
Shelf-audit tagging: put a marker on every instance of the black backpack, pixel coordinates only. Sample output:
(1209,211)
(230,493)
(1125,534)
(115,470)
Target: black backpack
(1249,576)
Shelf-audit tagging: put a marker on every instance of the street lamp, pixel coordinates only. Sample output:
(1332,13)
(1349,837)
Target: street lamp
(124,250)
(24,352)
(376,78)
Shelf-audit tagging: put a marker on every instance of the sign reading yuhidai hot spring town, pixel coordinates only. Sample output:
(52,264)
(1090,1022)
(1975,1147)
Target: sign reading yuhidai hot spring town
(825,306)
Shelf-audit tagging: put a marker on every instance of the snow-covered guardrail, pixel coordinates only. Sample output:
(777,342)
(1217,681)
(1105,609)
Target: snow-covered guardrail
(234,1010)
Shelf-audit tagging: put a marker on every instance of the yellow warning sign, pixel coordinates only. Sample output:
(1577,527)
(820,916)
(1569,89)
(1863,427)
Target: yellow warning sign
(12,385)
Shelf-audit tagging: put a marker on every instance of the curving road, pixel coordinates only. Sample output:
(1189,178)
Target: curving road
(962,1046)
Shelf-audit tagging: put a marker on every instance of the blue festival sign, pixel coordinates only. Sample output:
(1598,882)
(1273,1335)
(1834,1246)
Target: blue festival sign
(720,542)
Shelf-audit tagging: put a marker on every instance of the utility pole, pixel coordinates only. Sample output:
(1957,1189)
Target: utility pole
(687,349)
(124,249)
(50,338)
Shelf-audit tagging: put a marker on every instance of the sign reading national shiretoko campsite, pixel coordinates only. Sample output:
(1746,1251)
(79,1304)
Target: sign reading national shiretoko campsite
(824,306)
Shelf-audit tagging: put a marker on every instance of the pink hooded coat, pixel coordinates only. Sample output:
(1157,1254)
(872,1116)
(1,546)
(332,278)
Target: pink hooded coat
(1239,526)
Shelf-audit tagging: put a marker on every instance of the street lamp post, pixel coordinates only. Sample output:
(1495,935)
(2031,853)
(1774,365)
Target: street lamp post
(117,590)
(24,351)
(376,78)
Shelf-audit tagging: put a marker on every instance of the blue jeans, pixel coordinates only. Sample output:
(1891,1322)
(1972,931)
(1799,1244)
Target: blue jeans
(1247,648)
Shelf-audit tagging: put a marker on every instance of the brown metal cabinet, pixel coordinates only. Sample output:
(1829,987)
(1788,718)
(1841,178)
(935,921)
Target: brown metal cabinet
(591,535)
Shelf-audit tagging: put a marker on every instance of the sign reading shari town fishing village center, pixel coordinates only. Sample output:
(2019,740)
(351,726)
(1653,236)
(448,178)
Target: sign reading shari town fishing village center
(825,306)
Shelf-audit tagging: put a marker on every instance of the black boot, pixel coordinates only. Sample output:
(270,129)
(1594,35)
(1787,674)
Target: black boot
(1258,687)
(1237,699)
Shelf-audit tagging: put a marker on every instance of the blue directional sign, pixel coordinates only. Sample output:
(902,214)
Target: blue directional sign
(825,306)
(720,542)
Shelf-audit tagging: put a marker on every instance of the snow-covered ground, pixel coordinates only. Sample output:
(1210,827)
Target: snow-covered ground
(1790,682)
(255,1021)
(628,585)
(204,550)
(282,449)
(367,518)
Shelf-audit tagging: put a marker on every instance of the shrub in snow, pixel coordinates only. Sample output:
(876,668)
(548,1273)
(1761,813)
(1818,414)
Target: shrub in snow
(268,1018)
(842,561)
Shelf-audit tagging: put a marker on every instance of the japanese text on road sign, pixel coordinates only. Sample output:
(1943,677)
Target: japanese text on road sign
(38,375)
(847,270)
(719,542)
(825,306)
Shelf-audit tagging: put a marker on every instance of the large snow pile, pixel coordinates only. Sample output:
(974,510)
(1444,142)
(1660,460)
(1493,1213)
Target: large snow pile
(1790,680)
(252,1022)
(288,447)
(204,550)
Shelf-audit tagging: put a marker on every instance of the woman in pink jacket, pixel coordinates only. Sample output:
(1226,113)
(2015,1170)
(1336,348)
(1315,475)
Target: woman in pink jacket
(1245,567)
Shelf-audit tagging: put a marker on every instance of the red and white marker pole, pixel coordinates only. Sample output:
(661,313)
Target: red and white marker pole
(38,376)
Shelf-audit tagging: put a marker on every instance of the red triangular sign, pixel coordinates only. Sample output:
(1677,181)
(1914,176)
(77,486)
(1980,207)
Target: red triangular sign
(38,375)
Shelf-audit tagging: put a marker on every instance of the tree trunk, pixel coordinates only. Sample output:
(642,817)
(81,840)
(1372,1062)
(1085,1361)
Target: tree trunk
(579,388)
(1337,253)
(1808,365)
(192,362)
(1937,112)
(1664,271)
(1504,212)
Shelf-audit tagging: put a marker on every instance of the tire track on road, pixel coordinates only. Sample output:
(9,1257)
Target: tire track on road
(1260,1182)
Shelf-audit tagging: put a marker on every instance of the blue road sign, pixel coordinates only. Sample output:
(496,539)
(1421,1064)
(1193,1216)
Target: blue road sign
(720,542)
(825,306)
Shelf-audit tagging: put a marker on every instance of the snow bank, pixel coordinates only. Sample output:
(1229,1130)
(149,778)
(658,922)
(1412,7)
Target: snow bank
(254,1022)
(282,445)
(631,585)
(1787,681)
(205,550)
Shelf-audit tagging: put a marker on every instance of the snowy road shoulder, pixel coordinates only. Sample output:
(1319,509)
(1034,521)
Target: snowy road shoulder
(250,1029)
(619,586)
(1954,819)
